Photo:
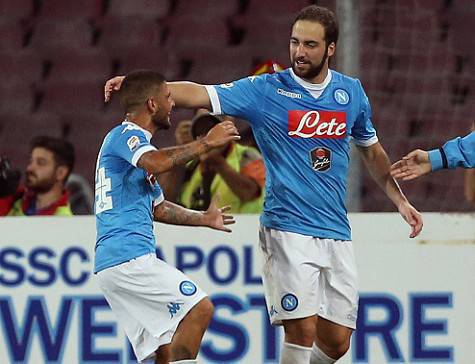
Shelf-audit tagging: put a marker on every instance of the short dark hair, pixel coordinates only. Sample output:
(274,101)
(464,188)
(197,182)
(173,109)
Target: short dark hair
(325,17)
(137,87)
(203,123)
(63,151)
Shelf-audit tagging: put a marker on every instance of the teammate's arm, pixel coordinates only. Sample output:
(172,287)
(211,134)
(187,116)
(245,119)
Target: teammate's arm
(185,94)
(159,161)
(215,218)
(378,164)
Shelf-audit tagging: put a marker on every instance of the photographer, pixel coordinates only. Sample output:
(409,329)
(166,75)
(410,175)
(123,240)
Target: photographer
(51,163)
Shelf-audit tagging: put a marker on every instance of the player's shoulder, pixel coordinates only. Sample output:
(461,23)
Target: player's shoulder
(340,78)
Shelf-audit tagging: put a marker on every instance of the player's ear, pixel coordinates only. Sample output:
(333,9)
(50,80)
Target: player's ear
(152,105)
(331,49)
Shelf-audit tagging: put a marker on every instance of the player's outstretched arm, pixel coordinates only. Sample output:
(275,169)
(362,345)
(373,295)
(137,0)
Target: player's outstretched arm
(185,94)
(163,160)
(378,164)
(411,166)
(215,218)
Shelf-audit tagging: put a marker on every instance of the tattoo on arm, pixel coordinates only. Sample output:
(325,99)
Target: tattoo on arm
(180,155)
(170,213)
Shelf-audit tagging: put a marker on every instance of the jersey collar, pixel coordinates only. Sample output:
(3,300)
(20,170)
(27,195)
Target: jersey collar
(315,89)
(148,134)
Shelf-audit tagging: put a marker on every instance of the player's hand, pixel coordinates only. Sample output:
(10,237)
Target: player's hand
(412,217)
(413,165)
(216,218)
(183,132)
(111,86)
(221,134)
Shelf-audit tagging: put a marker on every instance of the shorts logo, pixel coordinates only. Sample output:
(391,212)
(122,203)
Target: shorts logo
(341,96)
(272,311)
(289,302)
(133,142)
(173,308)
(187,288)
(227,85)
(321,159)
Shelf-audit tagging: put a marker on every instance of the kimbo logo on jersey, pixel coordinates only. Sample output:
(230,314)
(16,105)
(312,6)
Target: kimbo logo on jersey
(317,124)
(289,302)
(187,288)
(321,159)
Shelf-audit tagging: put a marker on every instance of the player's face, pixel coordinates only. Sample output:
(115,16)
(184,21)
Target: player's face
(41,171)
(308,50)
(165,104)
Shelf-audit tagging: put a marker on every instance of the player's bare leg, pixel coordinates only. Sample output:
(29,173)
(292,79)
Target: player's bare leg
(162,355)
(332,342)
(299,337)
(186,341)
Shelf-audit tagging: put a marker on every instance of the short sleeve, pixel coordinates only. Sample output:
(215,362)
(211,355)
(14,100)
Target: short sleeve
(240,98)
(131,145)
(363,131)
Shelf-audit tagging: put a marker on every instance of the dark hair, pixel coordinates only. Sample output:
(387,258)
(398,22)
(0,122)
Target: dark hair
(321,15)
(203,123)
(137,87)
(63,151)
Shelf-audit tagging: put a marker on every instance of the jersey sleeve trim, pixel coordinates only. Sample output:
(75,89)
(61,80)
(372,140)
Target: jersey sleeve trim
(158,200)
(214,98)
(140,152)
(367,142)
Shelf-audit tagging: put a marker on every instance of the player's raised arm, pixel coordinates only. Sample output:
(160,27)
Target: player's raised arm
(378,164)
(185,94)
(162,160)
(214,218)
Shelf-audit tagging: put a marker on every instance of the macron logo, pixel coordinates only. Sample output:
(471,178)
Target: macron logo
(292,95)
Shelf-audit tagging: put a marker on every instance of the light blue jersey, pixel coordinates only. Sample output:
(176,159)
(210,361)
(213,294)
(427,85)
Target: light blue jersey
(458,152)
(303,131)
(125,197)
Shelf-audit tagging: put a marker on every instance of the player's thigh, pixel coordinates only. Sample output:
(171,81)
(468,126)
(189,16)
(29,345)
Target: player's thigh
(290,274)
(340,284)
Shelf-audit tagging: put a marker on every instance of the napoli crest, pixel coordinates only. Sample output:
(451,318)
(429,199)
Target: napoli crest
(341,96)
(187,288)
(289,302)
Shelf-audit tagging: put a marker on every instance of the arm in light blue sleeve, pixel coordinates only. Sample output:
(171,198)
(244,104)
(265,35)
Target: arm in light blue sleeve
(241,98)
(458,152)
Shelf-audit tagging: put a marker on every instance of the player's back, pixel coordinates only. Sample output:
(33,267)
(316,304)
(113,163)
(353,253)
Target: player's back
(124,198)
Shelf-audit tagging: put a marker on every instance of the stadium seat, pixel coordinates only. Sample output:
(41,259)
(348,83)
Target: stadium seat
(121,34)
(87,65)
(285,8)
(69,97)
(13,34)
(216,65)
(146,9)
(16,9)
(16,98)
(24,62)
(17,129)
(185,33)
(206,9)
(60,10)
(52,36)
(154,58)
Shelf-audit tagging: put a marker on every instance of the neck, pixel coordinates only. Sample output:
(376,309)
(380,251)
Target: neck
(320,77)
(142,120)
(45,199)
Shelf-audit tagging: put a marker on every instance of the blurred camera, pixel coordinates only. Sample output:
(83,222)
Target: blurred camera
(9,177)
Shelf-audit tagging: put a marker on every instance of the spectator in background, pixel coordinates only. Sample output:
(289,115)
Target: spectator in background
(235,172)
(44,193)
